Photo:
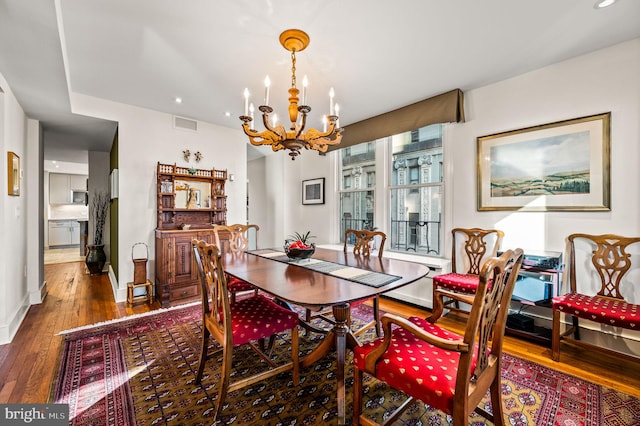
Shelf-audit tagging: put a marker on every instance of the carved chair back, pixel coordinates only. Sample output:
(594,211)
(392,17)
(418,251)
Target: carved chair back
(488,315)
(604,265)
(364,241)
(216,311)
(237,237)
(472,246)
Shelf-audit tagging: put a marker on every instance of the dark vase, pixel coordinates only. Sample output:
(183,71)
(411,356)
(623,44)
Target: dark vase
(96,258)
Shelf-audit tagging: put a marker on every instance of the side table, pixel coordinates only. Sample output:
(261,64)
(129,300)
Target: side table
(148,296)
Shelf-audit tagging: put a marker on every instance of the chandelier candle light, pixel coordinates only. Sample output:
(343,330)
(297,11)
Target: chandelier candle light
(296,137)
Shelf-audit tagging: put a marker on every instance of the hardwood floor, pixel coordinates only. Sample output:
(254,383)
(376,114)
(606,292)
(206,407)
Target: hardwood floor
(28,365)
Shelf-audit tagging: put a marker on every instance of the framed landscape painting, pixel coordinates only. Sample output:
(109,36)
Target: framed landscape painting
(562,166)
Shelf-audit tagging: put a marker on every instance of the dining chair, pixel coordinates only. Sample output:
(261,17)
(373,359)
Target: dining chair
(234,324)
(445,370)
(602,275)
(234,239)
(364,243)
(471,247)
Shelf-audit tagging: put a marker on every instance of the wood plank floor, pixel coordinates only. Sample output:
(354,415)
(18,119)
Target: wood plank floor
(28,364)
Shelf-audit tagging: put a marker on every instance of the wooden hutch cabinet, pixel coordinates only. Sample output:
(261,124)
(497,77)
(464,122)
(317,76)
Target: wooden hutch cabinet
(190,201)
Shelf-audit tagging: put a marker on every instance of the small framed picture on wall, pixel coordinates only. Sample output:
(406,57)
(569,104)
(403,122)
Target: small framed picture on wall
(313,191)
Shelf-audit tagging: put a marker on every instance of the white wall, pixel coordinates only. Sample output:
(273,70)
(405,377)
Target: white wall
(13,247)
(275,197)
(606,80)
(146,137)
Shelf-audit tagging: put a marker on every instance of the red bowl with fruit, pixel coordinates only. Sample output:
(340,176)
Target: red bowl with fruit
(296,250)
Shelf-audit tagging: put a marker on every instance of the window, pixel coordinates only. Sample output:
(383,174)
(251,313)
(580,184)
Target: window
(412,199)
(358,183)
(416,190)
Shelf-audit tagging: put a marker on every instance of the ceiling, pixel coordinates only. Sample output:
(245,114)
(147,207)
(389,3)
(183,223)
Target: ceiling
(378,55)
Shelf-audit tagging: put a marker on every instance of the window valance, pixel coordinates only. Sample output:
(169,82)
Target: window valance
(444,108)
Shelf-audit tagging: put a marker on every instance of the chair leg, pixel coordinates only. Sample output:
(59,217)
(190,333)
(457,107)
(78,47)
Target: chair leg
(576,327)
(295,358)
(376,315)
(438,306)
(357,396)
(223,385)
(555,336)
(203,354)
(496,402)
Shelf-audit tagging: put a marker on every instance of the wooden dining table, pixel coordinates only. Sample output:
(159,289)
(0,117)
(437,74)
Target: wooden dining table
(293,283)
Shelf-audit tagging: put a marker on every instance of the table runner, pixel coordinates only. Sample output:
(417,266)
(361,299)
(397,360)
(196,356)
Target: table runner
(360,276)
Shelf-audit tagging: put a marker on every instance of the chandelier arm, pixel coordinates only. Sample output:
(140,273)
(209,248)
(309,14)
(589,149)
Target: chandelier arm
(265,121)
(314,136)
(317,134)
(302,125)
(265,137)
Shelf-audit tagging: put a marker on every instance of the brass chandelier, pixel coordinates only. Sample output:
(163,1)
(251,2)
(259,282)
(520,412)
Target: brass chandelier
(295,138)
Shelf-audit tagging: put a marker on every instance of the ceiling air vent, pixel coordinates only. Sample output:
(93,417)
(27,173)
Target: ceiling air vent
(185,123)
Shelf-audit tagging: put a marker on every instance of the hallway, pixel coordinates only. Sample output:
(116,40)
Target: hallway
(62,255)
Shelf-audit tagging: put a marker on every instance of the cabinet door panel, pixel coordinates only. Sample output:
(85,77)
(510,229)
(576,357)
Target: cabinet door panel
(59,190)
(59,236)
(183,260)
(78,182)
(75,233)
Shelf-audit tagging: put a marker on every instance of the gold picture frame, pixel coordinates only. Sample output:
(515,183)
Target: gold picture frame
(13,174)
(561,166)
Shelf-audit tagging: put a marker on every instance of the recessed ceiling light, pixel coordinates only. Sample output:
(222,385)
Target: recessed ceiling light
(178,100)
(227,114)
(601,4)
(54,161)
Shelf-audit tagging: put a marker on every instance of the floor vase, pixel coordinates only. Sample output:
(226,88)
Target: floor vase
(96,258)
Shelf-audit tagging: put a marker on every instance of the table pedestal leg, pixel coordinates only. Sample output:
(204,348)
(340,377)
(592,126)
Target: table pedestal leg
(342,339)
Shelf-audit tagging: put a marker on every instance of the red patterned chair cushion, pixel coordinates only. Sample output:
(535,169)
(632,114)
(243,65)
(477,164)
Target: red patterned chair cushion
(463,283)
(258,317)
(415,367)
(599,309)
(235,285)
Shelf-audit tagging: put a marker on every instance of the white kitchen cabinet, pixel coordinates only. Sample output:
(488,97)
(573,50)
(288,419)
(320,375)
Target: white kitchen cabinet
(59,233)
(78,182)
(75,233)
(61,187)
(64,233)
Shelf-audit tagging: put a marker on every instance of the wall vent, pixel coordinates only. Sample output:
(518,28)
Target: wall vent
(185,123)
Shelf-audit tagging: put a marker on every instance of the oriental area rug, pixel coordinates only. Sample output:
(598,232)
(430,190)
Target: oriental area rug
(140,370)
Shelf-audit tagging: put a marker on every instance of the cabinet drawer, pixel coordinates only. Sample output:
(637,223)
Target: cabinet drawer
(185,292)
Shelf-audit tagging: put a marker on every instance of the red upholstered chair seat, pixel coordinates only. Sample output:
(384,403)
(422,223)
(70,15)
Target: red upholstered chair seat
(258,317)
(235,285)
(415,367)
(463,283)
(605,310)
